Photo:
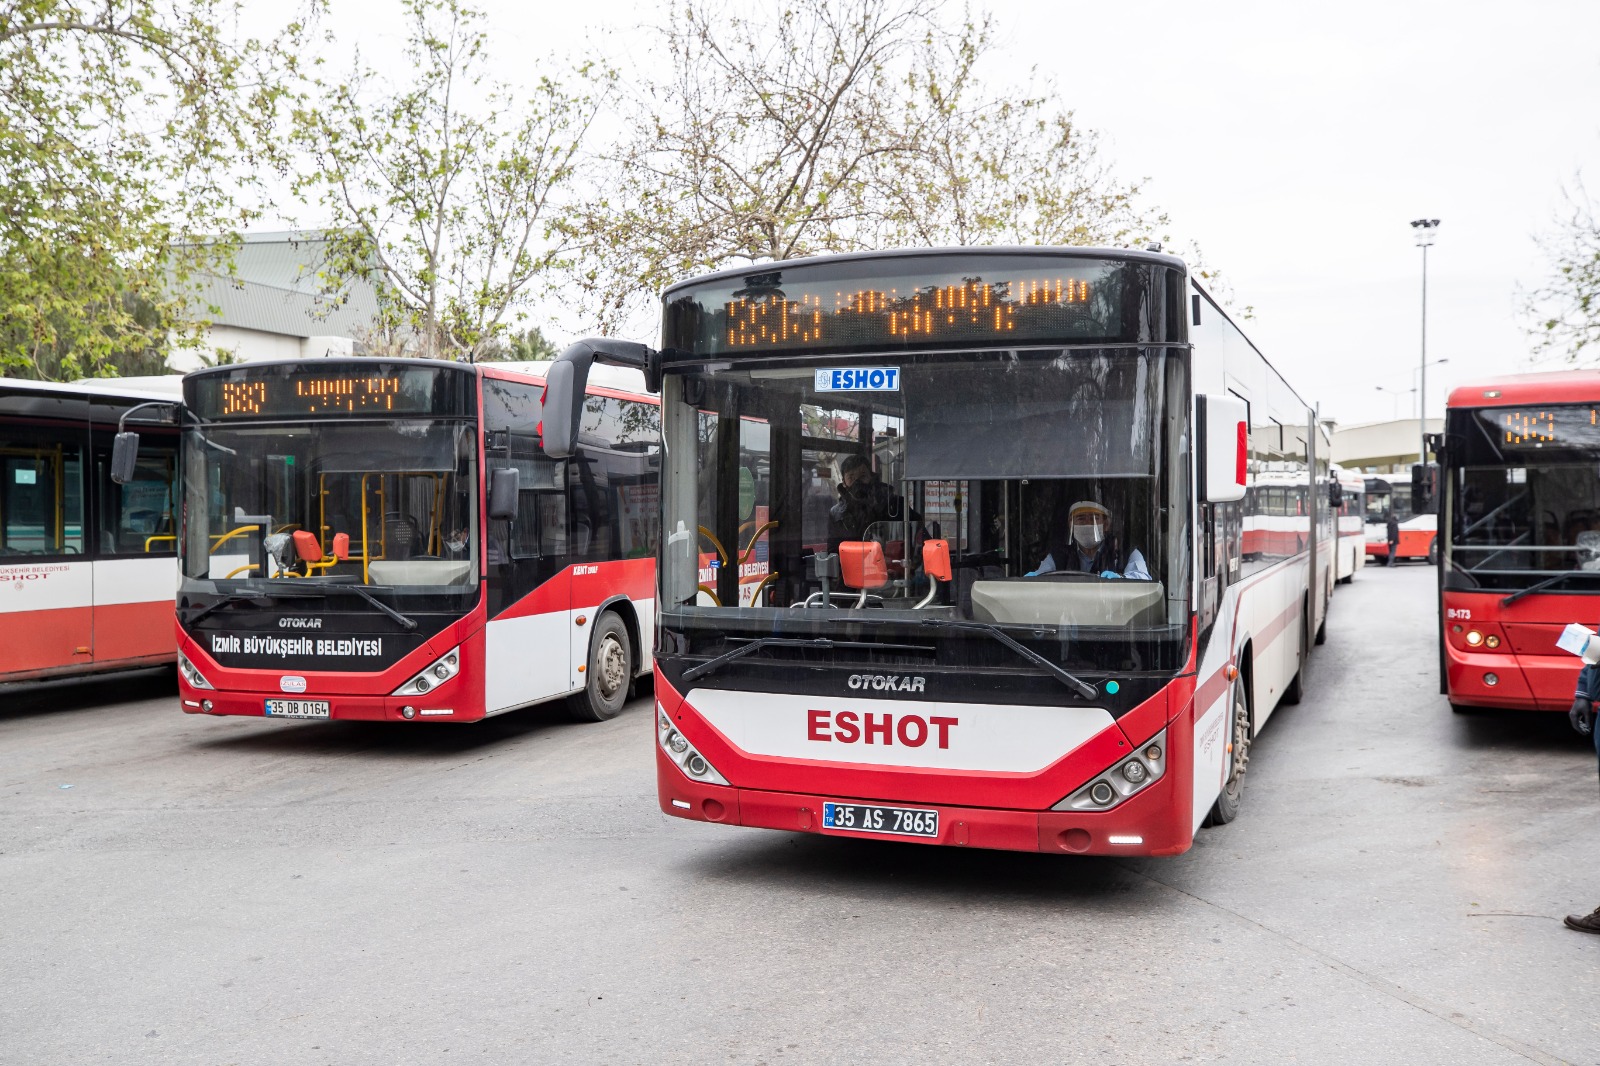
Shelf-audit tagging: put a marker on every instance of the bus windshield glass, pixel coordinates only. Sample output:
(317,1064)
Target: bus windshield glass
(1525,498)
(803,494)
(390,504)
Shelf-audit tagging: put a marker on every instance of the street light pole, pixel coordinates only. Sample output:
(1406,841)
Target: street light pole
(1423,229)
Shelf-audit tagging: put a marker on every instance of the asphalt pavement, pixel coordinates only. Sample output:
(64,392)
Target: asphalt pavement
(179,889)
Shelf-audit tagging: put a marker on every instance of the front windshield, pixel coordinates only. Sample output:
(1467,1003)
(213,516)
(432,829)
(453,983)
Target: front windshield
(803,497)
(387,505)
(1524,502)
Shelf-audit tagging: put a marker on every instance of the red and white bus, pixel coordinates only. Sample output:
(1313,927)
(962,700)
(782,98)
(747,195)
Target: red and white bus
(86,565)
(1351,523)
(934,436)
(1521,537)
(385,540)
(1418,525)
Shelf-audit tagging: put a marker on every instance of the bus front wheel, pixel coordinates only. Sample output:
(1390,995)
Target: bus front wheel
(607,673)
(1226,809)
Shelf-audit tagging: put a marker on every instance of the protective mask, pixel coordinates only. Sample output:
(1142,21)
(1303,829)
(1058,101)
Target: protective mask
(1088,536)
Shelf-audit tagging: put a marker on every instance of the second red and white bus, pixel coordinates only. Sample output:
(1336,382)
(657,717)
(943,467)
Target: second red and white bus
(385,540)
(1351,523)
(1418,525)
(929,661)
(86,565)
(1520,477)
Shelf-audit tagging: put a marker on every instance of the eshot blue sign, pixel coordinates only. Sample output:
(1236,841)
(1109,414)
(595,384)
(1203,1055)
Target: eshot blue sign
(860,379)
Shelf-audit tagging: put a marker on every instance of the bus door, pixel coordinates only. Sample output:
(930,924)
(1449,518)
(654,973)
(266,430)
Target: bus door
(136,541)
(46,582)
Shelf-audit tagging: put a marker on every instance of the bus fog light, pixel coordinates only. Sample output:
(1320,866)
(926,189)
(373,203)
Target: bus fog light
(1153,753)
(696,765)
(1491,680)
(205,705)
(1491,641)
(1474,638)
(1135,772)
(408,712)
(1102,793)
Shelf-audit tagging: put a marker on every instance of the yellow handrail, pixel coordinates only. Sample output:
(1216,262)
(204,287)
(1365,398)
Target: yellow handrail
(708,591)
(722,553)
(160,536)
(750,549)
(756,595)
(240,570)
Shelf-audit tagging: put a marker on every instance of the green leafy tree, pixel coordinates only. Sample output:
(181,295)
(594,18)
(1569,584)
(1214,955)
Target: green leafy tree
(126,127)
(529,345)
(1565,308)
(446,192)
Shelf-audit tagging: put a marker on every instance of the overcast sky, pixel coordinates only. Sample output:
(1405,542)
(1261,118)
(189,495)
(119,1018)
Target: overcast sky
(1293,143)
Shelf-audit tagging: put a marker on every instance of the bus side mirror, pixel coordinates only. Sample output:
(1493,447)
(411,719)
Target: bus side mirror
(124,457)
(1223,433)
(1422,488)
(504,486)
(1335,494)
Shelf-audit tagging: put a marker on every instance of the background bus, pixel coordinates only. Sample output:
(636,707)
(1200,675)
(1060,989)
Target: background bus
(1350,519)
(936,669)
(1521,500)
(86,566)
(1418,526)
(385,540)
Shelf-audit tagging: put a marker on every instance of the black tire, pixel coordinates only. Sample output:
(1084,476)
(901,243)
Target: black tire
(1433,552)
(607,675)
(1226,809)
(1322,632)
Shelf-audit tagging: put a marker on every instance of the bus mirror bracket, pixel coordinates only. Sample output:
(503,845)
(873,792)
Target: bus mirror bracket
(1335,494)
(504,485)
(567,380)
(125,445)
(1222,430)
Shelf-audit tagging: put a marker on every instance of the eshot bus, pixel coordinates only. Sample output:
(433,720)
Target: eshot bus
(1418,525)
(929,660)
(385,540)
(1520,476)
(1350,518)
(86,565)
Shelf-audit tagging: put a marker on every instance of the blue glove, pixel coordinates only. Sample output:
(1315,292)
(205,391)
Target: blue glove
(1109,573)
(1031,573)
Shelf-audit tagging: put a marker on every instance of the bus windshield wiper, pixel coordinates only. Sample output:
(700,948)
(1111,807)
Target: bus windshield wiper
(1077,685)
(230,599)
(823,643)
(1554,579)
(361,590)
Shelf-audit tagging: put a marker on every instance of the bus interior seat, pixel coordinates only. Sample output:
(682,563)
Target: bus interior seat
(1068,602)
(402,538)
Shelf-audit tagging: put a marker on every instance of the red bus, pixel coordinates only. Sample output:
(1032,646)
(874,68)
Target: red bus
(385,540)
(1419,539)
(932,439)
(1521,537)
(86,565)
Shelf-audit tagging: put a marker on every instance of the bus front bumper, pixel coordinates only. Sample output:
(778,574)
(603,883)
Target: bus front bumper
(1142,825)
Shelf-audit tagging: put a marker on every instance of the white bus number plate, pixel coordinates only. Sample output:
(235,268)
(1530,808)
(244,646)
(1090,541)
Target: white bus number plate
(298,708)
(896,821)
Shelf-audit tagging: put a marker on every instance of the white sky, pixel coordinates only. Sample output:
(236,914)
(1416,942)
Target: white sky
(1293,142)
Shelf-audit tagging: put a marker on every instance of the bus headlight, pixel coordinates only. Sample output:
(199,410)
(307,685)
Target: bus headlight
(1491,641)
(1132,775)
(682,753)
(195,678)
(1474,638)
(434,674)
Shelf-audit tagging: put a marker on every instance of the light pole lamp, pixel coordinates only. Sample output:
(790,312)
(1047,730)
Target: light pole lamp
(1424,230)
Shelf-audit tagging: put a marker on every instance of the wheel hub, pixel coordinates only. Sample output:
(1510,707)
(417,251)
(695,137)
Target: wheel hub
(613,664)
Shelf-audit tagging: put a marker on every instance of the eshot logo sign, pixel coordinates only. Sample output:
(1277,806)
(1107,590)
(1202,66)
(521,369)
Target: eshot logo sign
(860,379)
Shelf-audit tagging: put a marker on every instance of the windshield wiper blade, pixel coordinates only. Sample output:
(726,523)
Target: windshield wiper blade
(1546,583)
(360,590)
(1082,688)
(232,598)
(823,643)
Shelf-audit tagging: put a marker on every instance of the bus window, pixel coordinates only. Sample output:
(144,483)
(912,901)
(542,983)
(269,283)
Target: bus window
(41,492)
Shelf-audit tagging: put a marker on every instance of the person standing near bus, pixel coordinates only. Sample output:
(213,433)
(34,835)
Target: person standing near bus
(1393,526)
(1581,714)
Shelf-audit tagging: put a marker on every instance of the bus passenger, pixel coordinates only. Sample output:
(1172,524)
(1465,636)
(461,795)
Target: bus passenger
(863,500)
(1089,547)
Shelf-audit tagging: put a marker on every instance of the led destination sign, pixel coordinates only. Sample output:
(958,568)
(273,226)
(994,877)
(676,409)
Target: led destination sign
(1540,427)
(917,302)
(278,392)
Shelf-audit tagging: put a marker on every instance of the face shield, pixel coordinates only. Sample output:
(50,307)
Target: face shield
(1088,522)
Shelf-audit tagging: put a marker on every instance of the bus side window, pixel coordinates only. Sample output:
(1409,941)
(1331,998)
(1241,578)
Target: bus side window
(137,518)
(41,492)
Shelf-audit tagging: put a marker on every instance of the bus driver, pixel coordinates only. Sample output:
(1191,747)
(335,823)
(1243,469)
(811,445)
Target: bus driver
(1089,548)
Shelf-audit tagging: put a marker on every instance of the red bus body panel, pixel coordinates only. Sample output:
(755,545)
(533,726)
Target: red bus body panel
(1531,673)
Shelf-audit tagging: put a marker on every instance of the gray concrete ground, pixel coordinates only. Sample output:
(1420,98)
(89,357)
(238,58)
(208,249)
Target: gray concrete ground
(239,891)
